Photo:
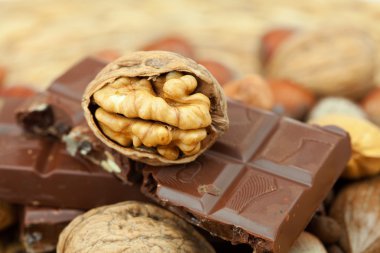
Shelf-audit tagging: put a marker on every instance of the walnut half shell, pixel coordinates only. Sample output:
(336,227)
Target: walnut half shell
(156,107)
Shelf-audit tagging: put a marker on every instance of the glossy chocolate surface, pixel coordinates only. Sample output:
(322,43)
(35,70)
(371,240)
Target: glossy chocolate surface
(39,171)
(260,183)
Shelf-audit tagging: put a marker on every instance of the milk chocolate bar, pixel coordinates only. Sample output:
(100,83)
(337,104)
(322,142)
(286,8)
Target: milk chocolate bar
(41,226)
(259,184)
(41,172)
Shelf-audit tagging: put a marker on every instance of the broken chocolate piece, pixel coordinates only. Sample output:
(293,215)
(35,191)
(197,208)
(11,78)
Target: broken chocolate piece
(260,183)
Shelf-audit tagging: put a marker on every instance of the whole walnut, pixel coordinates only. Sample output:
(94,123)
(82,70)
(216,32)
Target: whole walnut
(328,61)
(131,227)
(156,107)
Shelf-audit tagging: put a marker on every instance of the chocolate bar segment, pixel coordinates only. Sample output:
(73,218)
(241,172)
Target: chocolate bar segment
(41,226)
(41,172)
(55,111)
(259,184)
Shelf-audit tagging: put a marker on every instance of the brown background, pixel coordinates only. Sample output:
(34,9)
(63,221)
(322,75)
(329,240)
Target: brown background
(40,38)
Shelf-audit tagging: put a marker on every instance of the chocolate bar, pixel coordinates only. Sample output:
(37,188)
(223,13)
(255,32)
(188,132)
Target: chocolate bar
(41,226)
(259,184)
(41,172)
(58,109)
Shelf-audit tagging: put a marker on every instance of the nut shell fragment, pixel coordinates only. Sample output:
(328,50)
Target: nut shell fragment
(158,81)
(131,227)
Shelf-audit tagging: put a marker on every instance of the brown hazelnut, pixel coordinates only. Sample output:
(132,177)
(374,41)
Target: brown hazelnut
(174,44)
(271,40)
(325,228)
(156,107)
(371,105)
(220,71)
(131,227)
(108,55)
(252,90)
(357,210)
(17,91)
(295,99)
(328,61)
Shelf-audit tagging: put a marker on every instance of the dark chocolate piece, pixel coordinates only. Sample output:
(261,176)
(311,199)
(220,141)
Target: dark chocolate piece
(259,184)
(40,227)
(55,111)
(41,172)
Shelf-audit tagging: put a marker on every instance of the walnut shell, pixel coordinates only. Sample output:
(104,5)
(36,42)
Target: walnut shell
(131,227)
(151,65)
(328,61)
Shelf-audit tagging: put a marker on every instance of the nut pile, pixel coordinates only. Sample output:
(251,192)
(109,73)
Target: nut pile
(157,107)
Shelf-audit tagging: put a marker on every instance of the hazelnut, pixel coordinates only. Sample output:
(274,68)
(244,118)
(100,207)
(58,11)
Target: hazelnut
(174,44)
(220,71)
(271,40)
(252,90)
(295,99)
(328,61)
(325,228)
(17,91)
(156,107)
(108,55)
(131,227)
(371,105)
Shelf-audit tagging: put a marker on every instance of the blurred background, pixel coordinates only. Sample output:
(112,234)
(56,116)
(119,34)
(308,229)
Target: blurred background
(39,39)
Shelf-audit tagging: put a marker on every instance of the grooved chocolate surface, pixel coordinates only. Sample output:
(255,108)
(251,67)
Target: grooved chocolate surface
(41,172)
(260,183)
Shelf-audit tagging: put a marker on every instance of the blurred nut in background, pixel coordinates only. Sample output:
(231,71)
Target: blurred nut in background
(174,44)
(7,216)
(357,209)
(271,40)
(3,73)
(336,105)
(252,90)
(295,99)
(17,91)
(325,228)
(108,55)
(371,105)
(328,61)
(307,243)
(365,142)
(220,71)
(131,227)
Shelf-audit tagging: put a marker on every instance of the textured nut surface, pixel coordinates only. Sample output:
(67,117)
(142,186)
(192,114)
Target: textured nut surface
(130,227)
(365,142)
(357,210)
(252,90)
(328,61)
(156,107)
